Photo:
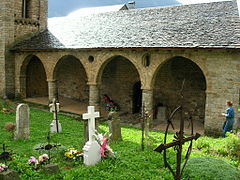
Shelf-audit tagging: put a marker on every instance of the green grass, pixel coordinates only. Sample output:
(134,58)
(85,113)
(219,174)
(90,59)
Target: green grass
(132,163)
(210,168)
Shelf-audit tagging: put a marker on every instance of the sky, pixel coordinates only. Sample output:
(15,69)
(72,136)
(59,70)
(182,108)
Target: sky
(197,1)
(59,8)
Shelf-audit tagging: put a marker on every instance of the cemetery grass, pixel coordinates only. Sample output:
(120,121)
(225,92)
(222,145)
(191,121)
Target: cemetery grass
(131,162)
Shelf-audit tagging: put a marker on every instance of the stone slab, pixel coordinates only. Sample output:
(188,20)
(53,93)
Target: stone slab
(9,175)
(51,169)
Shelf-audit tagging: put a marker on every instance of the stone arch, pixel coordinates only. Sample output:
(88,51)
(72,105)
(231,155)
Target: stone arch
(167,83)
(117,78)
(33,77)
(104,59)
(71,78)
(168,59)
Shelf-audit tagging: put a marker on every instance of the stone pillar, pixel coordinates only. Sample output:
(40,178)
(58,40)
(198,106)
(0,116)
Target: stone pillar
(94,99)
(52,89)
(147,103)
(21,90)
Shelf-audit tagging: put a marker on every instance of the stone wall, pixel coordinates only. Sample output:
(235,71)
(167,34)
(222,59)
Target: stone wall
(71,79)
(118,79)
(6,58)
(169,83)
(2,48)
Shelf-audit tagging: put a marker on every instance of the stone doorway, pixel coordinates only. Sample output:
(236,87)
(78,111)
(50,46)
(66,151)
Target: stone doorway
(137,98)
(36,84)
(71,80)
(168,82)
(117,81)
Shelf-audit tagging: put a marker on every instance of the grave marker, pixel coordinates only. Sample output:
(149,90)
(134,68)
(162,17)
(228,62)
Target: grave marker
(55,126)
(92,154)
(115,127)
(179,140)
(22,122)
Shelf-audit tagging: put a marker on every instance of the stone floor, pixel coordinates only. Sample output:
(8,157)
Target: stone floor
(77,107)
(66,104)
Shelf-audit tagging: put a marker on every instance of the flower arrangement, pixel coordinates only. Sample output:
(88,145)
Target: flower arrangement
(43,158)
(3,167)
(6,106)
(34,162)
(106,151)
(74,154)
(7,111)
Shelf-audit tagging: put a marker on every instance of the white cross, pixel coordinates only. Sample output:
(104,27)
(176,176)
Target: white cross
(91,115)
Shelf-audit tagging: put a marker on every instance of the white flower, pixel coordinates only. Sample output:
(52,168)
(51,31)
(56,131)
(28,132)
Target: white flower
(43,158)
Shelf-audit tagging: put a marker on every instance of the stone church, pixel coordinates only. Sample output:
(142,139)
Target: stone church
(137,57)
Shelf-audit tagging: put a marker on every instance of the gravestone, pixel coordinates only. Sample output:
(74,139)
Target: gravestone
(22,122)
(91,150)
(161,115)
(115,127)
(9,175)
(55,126)
(51,169)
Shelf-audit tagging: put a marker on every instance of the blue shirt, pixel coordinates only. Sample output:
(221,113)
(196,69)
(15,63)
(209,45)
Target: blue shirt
(230,113)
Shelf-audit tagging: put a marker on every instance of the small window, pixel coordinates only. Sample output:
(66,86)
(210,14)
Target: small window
(90,59)
(25,8)
(146,60)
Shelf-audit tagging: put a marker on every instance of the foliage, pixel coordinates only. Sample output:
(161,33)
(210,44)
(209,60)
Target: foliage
(233,145)
(10,127)
(207,168)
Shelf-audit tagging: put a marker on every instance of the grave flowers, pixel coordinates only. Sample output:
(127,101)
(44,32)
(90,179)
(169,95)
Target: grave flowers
(106,151)
(35,163)
(43,159)
(7,111)
(3,167)
(74,154)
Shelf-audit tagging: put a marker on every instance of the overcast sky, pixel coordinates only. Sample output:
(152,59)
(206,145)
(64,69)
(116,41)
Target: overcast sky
(197,1)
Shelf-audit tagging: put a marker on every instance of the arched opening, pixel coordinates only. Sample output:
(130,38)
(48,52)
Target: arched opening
(36,84)
(167,86)
(137,97)
(71,79)
(121,82)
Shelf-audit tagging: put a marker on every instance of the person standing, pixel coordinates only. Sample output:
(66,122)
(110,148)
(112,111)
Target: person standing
(228,124)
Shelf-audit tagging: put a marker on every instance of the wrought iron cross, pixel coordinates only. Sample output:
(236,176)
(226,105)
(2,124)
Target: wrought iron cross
(143,116)
(179,140)
(5,155)
(55,109)
(49,146)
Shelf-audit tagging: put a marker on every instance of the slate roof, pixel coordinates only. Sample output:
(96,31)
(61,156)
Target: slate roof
(208,25)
